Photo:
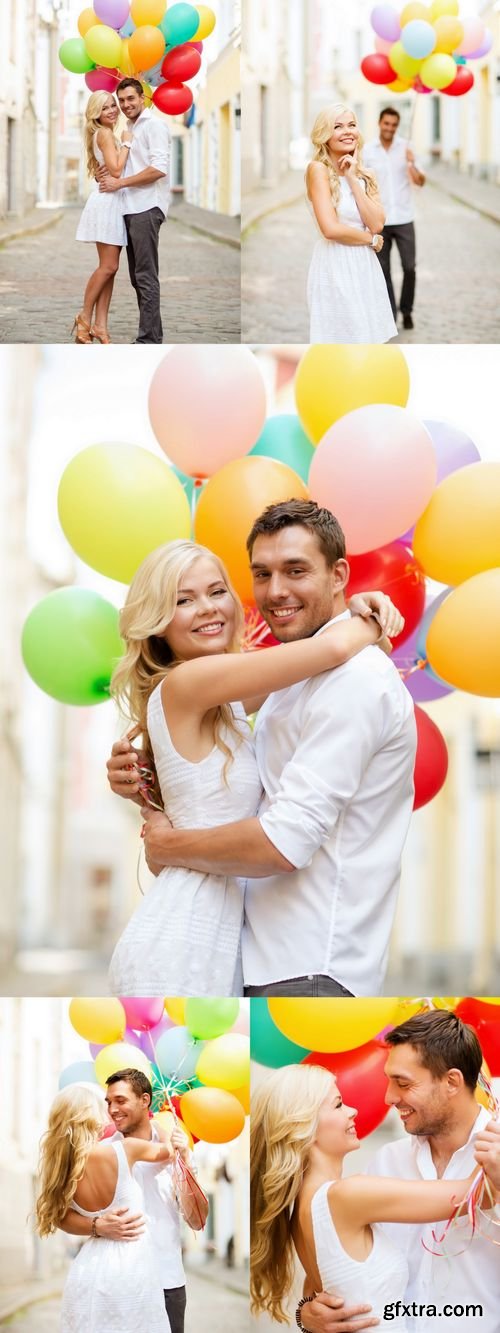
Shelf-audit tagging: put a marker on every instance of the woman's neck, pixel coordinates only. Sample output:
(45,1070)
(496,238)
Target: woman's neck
(322,1166)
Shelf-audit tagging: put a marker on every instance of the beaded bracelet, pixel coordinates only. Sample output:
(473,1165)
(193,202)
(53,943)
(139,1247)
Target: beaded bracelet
(303,1301)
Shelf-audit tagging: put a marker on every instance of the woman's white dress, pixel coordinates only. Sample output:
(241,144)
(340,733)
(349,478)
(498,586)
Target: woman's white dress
(184,937)
(346,291)
(102,217)
(113,1285)
(380,1280)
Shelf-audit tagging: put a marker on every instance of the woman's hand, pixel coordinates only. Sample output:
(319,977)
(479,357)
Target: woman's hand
(377,603)
(126,135)
(155,825)
(347,165)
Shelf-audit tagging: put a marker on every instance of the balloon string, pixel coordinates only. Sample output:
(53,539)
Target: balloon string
(419,666)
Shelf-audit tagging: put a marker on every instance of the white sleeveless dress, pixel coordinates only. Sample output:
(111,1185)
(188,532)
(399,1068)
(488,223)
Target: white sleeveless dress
(102,217)
(346,291)
(113,1285)
(380,1280)
(184,938)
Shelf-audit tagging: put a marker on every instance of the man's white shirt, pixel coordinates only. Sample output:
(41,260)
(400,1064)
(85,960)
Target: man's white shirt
(163,1217)
(391,171)
(336,756)
(472,1277)
(150,148)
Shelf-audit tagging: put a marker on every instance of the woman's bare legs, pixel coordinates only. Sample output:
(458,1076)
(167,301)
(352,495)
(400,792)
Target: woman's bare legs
(103,276)
(102,306)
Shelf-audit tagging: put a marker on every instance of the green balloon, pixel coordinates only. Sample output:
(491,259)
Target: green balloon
(70,645)
(284,439)
(267,1043)
(179,24)
(73,55)
(210,1018)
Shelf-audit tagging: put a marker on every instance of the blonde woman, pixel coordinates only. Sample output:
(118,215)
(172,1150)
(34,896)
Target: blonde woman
(102,219)
(346,291)
(299,1202)
(111,1285)
(181,681)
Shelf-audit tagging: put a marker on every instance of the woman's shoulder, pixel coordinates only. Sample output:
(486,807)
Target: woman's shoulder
(316,169)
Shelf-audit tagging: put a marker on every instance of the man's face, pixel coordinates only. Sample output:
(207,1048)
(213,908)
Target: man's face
(388,128)
(294,589)
(422,1101)
(131,103)
(127,1110)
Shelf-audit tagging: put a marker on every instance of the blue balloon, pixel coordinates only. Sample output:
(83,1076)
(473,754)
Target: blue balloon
(179,24)
(177,1054)
(128,28)
(82,1071)
(418,38)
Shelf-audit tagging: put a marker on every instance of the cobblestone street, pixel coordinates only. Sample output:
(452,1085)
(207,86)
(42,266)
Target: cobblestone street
(43,276)
(210,1307)
(458,252)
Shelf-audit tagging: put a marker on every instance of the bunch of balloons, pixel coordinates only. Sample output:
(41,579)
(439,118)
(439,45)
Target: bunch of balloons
(160,47)
(195,1053)
(347,1037)
(425,47)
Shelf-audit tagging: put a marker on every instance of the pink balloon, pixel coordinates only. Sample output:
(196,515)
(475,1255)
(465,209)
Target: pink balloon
(207,406)
(102,80)
(393,453)
(142,1014)
(474,35)
(485,46)
(242,1024)
(382,46)
(198,46)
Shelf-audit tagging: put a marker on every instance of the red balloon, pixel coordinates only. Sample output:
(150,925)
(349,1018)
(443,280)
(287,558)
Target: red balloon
(485,1019)
(181,63)
(394,570)
(362,1082)
(172,98)
(376,69)
(431,764)
(462,83)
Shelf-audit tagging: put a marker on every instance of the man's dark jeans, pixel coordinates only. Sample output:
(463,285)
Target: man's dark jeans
(312,985)
(143,233)
(404,238)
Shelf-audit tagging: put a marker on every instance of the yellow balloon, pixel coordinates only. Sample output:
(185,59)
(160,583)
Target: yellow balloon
(212,1114)
(332,1025)
(167,1122)
(100,1020)
(176,1009)
(400,85)
(87,20)
(147,11)
(440,7)
(438,71)
(122,1055)
(125,64)
(148,93)
(117,503)
(404,64)
(458,534)
(333,379)
(407,1008)
(481,1095)
(449,33)
(463,642)
(488,999)
(414,11)
(103,45)
(206,24)
(225,1061)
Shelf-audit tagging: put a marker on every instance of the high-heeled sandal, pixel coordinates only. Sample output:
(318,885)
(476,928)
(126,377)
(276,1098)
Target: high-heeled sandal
(82,329)
(101,335)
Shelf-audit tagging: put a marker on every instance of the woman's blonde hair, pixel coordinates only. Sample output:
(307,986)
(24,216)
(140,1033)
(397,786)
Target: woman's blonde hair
(320,134)
(76,1118)
(92,123)
(284,1120)
(149,608)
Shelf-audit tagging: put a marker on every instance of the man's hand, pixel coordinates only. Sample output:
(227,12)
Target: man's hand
(121,1225)
(108,184)
(487,1152)
(123,768)
(155,833)
(410,157)
(328,1314)
(180,1141)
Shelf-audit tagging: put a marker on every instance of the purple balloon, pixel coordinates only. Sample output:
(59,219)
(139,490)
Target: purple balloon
(149,1039)
(114,13)
(483,49)
(132,1037)
(453,448)
(385,22)
(94,1049)
(423,685)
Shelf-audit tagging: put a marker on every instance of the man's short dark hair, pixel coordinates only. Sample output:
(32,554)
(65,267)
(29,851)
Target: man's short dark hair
(306,514)
(443,1042)
(389,111)
(135,1079)
(130,83)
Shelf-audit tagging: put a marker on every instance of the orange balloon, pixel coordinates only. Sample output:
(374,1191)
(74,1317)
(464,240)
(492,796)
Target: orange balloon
(212,1114)
(146,47)
(243,1095)
(230,503)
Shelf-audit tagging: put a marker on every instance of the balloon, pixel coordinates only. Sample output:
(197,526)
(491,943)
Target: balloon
(393,452)
(132,1038)
(284,439)
(333,379)
(121,1055)
(206,22)
(88,19)
(74,56)
(125,63)
(242,489)
(176,1009)
(400,85)
(453,447)
(207,405)
(462,83)
(127,28)
(212,1114)
(438,71)
(71,644)
(419,87)
(463,643)
(149,1038)
(414,11)
(485,46)
(102,80)
(426,622)
(381,46)
(243,1095)
(431,764)
(267,1043)
(181,63)
(385,22)
(440,7)
(418,38)
(449,33)
(103,45)
(142,1014)
(225,1062)
(376,69)
(112,12)
(81,1072)
(423,685)
(474,35)
(404,65)
(210,1018)
(147,11)
(361,1080)
(198,45)
(330,1025)
(101,1020)
(179,24)
(177,1053)
(146,46)
(117,503)
(173,98)
(458,535)
(394,570)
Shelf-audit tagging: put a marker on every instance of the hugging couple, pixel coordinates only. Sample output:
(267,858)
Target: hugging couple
(277,857)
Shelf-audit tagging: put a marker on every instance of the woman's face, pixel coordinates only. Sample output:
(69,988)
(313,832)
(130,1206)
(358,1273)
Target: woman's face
(345,133)
(110,112)
(205,616)
(336,1133)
